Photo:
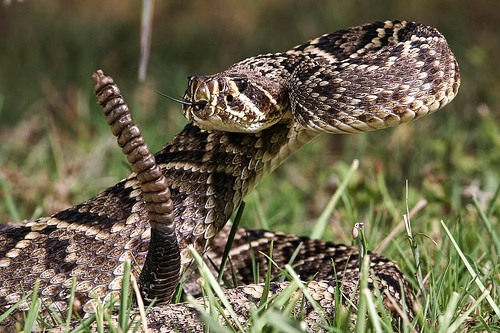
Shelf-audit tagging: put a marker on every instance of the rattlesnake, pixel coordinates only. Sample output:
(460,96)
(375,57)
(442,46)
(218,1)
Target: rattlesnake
(244,122)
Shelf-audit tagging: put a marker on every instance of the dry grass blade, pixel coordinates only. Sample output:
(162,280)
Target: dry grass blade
(140,304)
(146,34)
(383,244)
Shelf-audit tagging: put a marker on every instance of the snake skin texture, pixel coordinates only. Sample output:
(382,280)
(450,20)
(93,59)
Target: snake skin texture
(245,122)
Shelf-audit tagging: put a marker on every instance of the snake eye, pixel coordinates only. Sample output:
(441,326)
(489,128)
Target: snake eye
(241,84)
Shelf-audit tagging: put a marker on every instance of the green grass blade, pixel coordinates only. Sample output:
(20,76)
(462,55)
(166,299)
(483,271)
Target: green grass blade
(471,271)
(387,198)
(260,319)
(282,323)
(71,301)
(234,276)
(211,321)
(493,201)
(179,293)
(382,316)
(99,318)
(29,324)
(295,253)
(255,264)
(1,104)
(291,307)
(319,310)
(487,223)
(463,317)
(112,327)
(322,221)
(5,314)
(232,233)
(447,316)
(362,304)
(36,213)
(122,312)
(264,223)
(85,324)
(34,308)
(372,310)
(215,307)
(11,207)
(487,327)
(210,279)
(265,292)
(284,297)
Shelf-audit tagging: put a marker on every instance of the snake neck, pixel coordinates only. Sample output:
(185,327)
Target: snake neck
(210,172)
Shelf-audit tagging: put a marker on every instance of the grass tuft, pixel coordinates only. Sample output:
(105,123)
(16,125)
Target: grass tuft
(472,272)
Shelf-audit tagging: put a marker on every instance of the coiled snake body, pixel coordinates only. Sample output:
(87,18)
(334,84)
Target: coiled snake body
(245,122)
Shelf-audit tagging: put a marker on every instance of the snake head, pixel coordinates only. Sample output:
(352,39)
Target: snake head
(230,103)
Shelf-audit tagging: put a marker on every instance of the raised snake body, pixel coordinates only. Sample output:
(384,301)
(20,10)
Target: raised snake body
(245,122)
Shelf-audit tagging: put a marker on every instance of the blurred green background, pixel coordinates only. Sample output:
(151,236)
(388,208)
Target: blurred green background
(56,149)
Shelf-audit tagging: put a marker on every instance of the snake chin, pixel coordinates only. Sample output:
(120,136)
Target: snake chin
(230,124)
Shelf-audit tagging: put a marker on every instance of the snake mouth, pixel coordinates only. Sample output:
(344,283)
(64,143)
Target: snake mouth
(200,98)
(191,109)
